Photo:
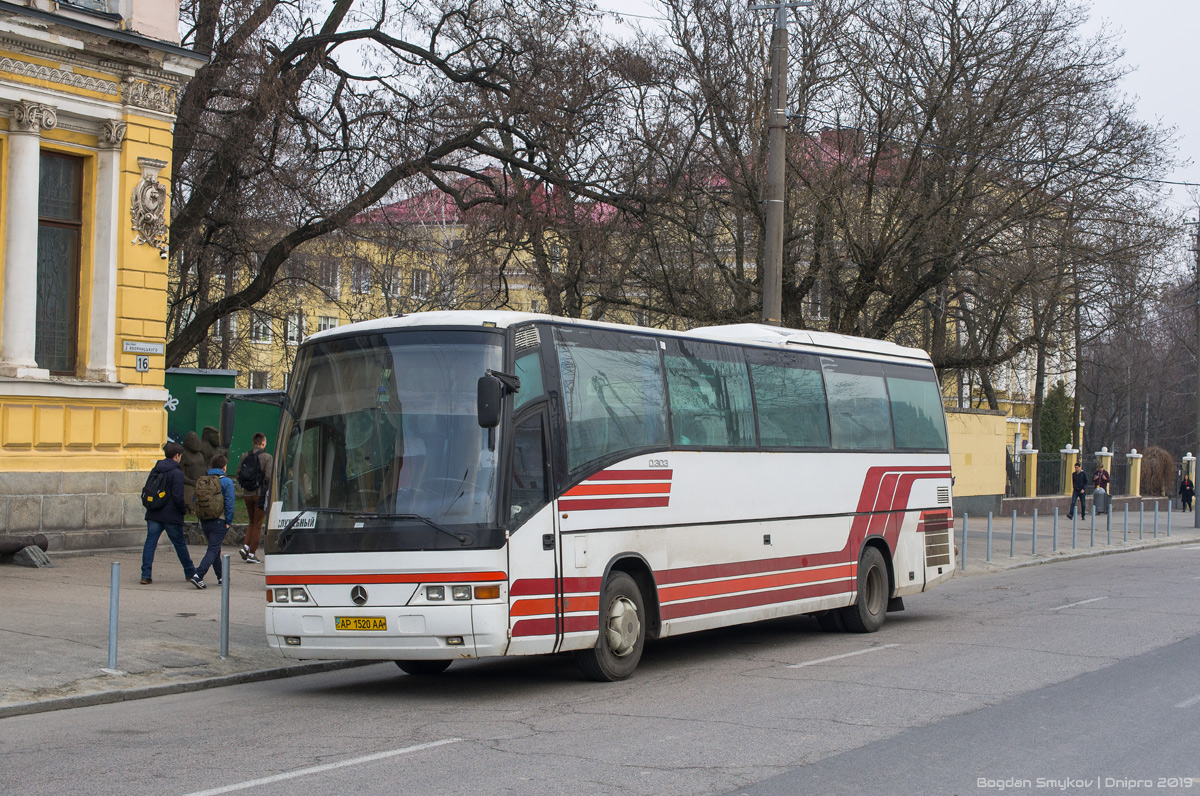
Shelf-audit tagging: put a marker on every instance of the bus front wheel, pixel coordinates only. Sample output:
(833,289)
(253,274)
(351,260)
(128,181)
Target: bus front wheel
(423,667)
(870,609)
(622,632)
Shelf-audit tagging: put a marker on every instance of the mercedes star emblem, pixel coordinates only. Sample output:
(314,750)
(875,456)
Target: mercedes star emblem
(359,595)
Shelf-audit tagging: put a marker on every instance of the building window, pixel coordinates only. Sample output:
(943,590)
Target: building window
(295,328)
(361,278)
(393,282)
(260,328)
(60,226)
(535,306)
(226,328)
(260,380)
(327,277)
(326,322)
(420,283)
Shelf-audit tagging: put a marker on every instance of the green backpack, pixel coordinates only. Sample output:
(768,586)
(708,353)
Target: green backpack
(209,502)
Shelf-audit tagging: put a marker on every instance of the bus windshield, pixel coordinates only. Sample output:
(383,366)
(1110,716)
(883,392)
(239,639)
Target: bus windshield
(382,444)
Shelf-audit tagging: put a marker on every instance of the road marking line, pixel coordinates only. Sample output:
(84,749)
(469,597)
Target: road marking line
(318,769)
(1187,703)
(843,655)
(1081,602)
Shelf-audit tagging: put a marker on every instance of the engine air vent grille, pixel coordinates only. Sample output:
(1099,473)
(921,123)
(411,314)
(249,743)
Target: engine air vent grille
(937,528)
(528,337)
(943,495)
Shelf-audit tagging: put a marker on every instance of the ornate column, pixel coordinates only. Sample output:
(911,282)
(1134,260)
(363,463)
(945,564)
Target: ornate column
(101,357)
(18,315)
(1069,457)
(1135,473)
(1029,468)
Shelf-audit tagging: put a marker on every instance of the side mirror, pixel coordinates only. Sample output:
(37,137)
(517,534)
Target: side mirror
(491,397)
(228,410)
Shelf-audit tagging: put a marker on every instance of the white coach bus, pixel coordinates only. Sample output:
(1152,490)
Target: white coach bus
(471,484)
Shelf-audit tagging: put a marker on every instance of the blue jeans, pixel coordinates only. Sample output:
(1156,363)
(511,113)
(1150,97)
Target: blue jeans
(175,534)
(1082,498)
(215,530)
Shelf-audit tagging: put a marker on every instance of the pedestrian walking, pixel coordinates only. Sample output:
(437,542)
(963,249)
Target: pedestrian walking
(1078,492)
(1187,491)
(214,507)
(162,496)
(254,477)
(1100,498)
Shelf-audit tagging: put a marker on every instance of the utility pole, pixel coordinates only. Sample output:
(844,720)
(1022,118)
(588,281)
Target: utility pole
(1196,253)
(777,124)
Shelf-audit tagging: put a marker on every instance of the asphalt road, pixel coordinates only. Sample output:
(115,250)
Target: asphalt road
(1079,669)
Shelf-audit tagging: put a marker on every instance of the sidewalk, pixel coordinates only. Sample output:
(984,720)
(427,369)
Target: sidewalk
(54,631)
(54,621)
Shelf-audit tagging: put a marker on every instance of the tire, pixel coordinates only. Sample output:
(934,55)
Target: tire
(622,632)
(870,609)
(423,667)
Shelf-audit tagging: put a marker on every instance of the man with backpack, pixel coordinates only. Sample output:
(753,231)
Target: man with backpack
(162,497)
(214,507)
(254,477)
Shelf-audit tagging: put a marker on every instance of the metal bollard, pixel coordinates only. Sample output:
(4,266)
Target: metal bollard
(1093,525)
(1056,529)
(963,564)
(1108,521)
(1156,519)
(1035,531)
(1012,538)
(1141,518)
(1126,530)
(1074,531)
(227,572)
(114,592)
(989,537)
(1169,519)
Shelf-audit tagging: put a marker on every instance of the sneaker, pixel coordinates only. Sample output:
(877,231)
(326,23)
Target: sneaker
(250,558)
(220,581)
(245,553)
(199,584)
(146,581)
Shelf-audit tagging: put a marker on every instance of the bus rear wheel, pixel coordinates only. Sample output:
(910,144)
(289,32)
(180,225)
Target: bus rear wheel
(423,667)
(622,632)
(870,609)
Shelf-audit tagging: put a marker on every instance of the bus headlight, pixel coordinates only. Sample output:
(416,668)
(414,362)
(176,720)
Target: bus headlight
(461,592)
(435,592)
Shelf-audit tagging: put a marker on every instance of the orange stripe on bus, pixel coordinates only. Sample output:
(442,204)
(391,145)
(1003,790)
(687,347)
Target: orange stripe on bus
(732,586)
(618,489)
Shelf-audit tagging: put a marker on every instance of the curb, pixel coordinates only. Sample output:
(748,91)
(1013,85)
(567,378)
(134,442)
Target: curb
(981,567)
(127,695)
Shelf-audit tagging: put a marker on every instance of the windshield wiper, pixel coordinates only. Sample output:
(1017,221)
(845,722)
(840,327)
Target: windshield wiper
(282,538)
(461,537)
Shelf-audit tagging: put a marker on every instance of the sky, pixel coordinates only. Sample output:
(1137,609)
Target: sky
(1160,42)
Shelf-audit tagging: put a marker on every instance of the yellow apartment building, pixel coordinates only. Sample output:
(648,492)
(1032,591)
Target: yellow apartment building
(87,109)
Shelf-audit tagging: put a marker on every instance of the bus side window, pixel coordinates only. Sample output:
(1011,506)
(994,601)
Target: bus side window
(529,490)
(529,371)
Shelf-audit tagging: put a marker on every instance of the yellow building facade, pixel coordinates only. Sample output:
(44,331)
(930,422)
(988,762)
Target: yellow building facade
(87,110)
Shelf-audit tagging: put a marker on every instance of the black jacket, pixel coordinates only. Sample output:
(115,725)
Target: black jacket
(1080,481)
(170,513)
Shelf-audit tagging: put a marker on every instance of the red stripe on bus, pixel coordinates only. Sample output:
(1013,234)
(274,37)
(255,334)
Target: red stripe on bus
(702,607)
(546,627)
(727,587)
(618,489)
(597,504)
(408,577)
(631,475)
(537,587)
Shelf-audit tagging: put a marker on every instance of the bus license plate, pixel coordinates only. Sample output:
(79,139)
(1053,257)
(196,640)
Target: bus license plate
(359,623)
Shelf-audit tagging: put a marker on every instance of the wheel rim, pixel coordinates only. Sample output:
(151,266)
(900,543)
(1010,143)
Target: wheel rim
(622,627)
(874,589)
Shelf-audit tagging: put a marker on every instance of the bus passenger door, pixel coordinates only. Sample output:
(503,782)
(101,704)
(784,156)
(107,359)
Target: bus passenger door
(534,555)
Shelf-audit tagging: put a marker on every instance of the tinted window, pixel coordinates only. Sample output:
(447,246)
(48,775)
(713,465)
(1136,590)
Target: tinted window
(916,407)
(790,398)
(859,415)
(710,395)
(612,388)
